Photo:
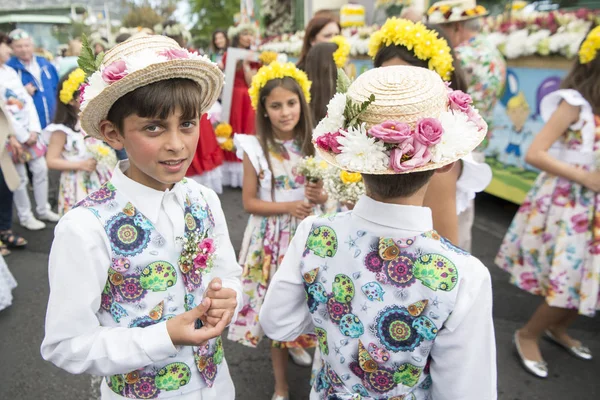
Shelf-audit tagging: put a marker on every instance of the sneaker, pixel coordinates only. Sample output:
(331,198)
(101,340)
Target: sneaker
(33,224)
(300,357)
(50,216)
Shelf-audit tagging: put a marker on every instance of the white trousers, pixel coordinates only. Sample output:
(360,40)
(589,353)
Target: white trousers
(39,170)
(465,225)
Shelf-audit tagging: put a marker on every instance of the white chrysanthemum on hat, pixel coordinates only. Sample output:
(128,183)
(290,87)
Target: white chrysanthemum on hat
(142,60)
(335,116)
(458,129)
(93,88)
(361,152)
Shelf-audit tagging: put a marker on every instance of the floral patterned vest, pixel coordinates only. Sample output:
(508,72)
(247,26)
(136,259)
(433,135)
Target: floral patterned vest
(152,279)
(377,304)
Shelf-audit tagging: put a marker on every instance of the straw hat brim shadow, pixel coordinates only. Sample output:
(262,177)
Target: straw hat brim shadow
(207,75)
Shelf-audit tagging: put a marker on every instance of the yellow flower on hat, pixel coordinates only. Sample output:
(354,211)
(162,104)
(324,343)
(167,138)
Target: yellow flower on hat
(350,177)
(423,42)
(277,70)
(71,85)
(589,48)
(340,56)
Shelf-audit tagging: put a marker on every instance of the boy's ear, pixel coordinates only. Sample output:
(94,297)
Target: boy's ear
(445,168)
(111,135)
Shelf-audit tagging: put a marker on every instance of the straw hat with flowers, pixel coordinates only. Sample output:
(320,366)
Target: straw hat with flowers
(398,120)
(140,61)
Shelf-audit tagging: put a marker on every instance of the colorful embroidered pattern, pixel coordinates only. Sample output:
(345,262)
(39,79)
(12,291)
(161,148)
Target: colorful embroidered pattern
(148,386)
(207,362)
(126,234)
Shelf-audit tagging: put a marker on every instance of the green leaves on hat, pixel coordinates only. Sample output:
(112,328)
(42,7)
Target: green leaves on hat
(343,82)
(87,60)
(353,111)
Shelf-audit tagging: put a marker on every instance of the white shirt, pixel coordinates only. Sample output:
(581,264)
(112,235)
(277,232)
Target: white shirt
(34,69)
(464,354)
(20,105)
(78,269)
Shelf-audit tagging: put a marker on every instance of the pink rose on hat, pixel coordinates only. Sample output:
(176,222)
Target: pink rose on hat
(409,156)
(392,132)
(174,54)
(329,142)
(460,101)
(114,72)
(428,131)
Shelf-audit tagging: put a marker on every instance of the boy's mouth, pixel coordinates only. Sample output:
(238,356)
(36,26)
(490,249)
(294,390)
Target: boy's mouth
(173,163)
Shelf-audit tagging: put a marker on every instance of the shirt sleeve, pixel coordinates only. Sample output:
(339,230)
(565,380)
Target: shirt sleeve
(467,343)
(284,315)
(74,339)
(226,265)
(34,119)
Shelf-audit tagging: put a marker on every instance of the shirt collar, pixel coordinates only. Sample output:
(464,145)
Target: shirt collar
(408,218)
(147,200)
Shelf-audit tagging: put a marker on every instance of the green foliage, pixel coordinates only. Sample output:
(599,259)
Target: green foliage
(343,82)
(352,111)
(212,15)
(87,61)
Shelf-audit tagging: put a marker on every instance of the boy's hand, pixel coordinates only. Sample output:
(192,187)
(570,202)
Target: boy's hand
(182,328)
(223,302)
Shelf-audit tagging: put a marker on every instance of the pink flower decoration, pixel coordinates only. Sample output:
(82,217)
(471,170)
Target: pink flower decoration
(528,281)
(114,72)
(409,156)
(207,246)
(581,222)
(174,54)
(392,132)
(429,131)
(329,142)
(82,91)
(460,101)
(200,261)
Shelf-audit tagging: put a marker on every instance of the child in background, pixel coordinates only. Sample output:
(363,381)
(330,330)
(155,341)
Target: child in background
(398,310)
(145,266)
(86,164)
(275,197)
(552,246)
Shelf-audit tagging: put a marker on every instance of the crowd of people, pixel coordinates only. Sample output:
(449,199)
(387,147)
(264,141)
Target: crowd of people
(385,288)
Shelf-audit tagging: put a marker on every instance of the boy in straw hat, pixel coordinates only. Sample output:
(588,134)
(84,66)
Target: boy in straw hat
(400,312)
(143,276)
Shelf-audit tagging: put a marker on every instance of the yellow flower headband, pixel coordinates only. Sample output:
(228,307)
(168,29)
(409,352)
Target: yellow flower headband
(340,56)
(589,47)
(424,43)
(71,85)
(276,70)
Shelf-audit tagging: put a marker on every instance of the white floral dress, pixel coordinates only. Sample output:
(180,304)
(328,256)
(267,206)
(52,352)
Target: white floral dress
(77,185)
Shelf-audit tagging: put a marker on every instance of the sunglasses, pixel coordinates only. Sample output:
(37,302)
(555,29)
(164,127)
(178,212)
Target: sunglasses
(19,35)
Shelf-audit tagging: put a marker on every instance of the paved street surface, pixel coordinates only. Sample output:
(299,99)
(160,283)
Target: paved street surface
(24,375)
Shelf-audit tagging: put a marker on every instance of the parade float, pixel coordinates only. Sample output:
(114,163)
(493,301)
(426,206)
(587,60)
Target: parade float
(540,48)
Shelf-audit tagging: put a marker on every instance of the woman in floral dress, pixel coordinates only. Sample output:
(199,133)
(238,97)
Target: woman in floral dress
(552,248)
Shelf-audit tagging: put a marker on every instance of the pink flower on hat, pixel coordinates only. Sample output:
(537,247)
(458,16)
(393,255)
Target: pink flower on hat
(174,54)
(409,156)
(392,132)
(329,142)
(114,72)
(82,91)
(460,101)
(428,131)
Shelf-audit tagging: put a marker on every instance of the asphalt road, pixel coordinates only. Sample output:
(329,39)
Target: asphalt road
(24,375)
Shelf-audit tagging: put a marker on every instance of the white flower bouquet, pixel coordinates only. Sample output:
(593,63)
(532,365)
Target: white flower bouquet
(311,169)
(345,187)
(102,153)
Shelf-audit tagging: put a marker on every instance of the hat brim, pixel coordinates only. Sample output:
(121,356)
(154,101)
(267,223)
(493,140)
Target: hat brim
(468,147)
(462,19)
(207,75)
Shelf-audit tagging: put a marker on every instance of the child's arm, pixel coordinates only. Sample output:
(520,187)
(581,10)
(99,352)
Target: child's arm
(463,364)
(74,340)
(256,206)
(58,139)
(284,315)
(538,156)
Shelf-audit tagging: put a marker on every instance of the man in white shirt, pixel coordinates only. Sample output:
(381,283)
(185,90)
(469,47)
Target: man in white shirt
(399,311)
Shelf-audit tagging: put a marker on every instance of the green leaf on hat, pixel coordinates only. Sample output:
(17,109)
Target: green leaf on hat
(353,111)
(343,82)
(87,60)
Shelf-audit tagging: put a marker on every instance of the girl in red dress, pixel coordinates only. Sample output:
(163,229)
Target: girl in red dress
(206,165)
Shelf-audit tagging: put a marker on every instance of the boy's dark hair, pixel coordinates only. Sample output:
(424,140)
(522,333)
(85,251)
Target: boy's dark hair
(4,38)
(158,100)
(400,185)
(65,114)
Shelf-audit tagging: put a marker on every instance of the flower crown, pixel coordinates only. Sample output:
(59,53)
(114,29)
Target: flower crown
(392,146)
(340,56)
(233,31)
(423,42)
(446,13)
(277,70)
(71,85)
(590,46)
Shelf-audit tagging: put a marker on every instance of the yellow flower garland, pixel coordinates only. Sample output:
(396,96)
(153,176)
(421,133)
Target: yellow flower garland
(340,56)
(71,85)
(589,47)
(424,43)
(277,70)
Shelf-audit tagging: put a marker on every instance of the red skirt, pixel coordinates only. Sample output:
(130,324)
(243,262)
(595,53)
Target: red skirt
(241,117)
(208,153)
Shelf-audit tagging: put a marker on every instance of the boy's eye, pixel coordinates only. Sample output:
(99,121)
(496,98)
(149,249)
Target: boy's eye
(152,128)
(188,124)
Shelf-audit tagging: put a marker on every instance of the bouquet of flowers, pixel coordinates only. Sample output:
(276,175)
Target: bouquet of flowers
(102,153)
(224,132)
(343,186)
(311,169)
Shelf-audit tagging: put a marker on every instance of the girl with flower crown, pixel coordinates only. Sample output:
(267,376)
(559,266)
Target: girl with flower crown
(85,163)
(275,196)
(450,196)
(552,248)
